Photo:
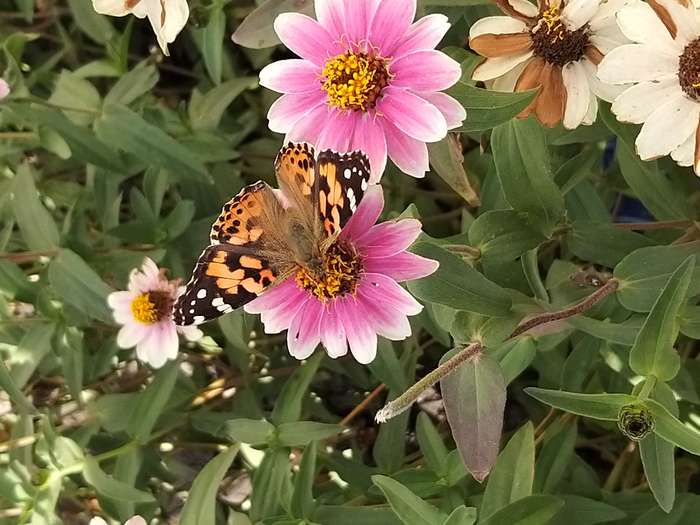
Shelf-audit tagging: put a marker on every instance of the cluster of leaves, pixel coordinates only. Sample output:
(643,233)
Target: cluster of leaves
(110,153)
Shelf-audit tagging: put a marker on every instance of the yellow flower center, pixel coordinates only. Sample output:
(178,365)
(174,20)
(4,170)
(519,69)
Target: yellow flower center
(552,19)
(337,275)
(151,307)
(354,80)
(554,42)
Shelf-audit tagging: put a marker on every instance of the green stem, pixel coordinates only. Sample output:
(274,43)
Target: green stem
(647,387)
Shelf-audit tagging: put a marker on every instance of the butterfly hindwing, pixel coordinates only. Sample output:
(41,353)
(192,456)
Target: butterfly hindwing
(240,221)
(226,277)
(342,181)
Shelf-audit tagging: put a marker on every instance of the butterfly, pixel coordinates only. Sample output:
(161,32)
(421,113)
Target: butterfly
(258,240)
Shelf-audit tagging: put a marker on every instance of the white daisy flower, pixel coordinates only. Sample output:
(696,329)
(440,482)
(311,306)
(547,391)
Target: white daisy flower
(663,64)
(167,17)
(136,520)
(555,46)
(145,313)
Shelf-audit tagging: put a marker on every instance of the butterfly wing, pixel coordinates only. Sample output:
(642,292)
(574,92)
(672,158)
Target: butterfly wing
(342,179)
(241,262)
(226,277)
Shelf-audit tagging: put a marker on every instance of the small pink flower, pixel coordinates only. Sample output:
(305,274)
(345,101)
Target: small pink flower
(368,79)
(145,313)
(136,520)
(4,89)
(365,299)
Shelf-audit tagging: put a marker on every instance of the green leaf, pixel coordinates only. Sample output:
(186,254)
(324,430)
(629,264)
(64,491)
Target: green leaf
(257,32)
(70,348)
(38,228)
(410,509)
(533,510)
(288,406)
(303,503)
(513,474)
(447,160)
(602,243)
(212,42)
(128,131)
(78,285)
(653,352)
(251,431)
(503,235)
(474,396)
(487,109)
(431,444)
(664,199)
(83,143)
(91,23)
(461,516)
(658,455)
(596,406)
(109,487)
(200,507)
(15,394)
(268,484)
(619,333)
(644,272)
(583,511)
(672,430)
(132,85)
(389,449)
(73,91)
(522,165)
(150,403)
(555,457)
(205,111)
(304,432)
(346,515)
(458,285)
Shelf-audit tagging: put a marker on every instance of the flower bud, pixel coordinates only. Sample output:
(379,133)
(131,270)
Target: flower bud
(635,421)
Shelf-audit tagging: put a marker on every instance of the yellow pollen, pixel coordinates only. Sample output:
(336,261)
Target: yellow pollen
(144,309)
(354,80)
(552,19)
(338,276)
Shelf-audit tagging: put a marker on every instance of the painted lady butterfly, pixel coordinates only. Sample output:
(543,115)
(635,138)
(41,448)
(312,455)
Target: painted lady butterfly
(257,240)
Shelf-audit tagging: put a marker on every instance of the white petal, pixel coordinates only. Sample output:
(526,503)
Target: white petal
(686,18)
(111,8)
(132,334)
(668,126)
(607,92)
(496,25)
(592,112)
(191,333)
(684,155)
(636,63)
(524,7)
(638,102)
(640,24)
(577,13)
(97,521)
(495,67)
(136,520)
(166,26)
(606,13)
(507,82)
(578,94)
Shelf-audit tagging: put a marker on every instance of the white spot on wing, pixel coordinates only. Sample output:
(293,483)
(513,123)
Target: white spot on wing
(347,173)
(364,185)
(201,294)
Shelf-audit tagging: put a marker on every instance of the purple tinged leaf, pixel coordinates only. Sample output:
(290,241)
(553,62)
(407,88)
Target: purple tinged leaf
(474,397)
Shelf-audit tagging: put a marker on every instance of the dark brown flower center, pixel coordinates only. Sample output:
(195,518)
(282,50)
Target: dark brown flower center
(355,80)
(337,275)
(556,44)
(689,69)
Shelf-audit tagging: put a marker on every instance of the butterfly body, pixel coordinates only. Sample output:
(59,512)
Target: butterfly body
(261,239)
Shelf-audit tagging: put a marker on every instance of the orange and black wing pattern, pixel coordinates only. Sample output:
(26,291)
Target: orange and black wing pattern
(342,181)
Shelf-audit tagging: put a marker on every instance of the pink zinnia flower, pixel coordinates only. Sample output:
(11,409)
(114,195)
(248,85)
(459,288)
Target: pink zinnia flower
(371,259)
(368,79)
(4,88)
(145,312)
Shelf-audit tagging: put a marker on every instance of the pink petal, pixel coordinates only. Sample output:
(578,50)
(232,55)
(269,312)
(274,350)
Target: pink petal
(387,293)
(291,76)
(308,129)
(361,336)
(131,334)
(306,37)
(366,214)
(391,23)
(158,345)
(403,266)
(276,295)
(413,115)
(136,520)
(452,110)
(409,155)
(388,238)
(427,70)
(333,334)
(358,19)
(304,331)
(425,33)
(289,109)
(120,300)
(337,131)
(330,15)
(387,322)
(369,137)
(278,306)
(169,342)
